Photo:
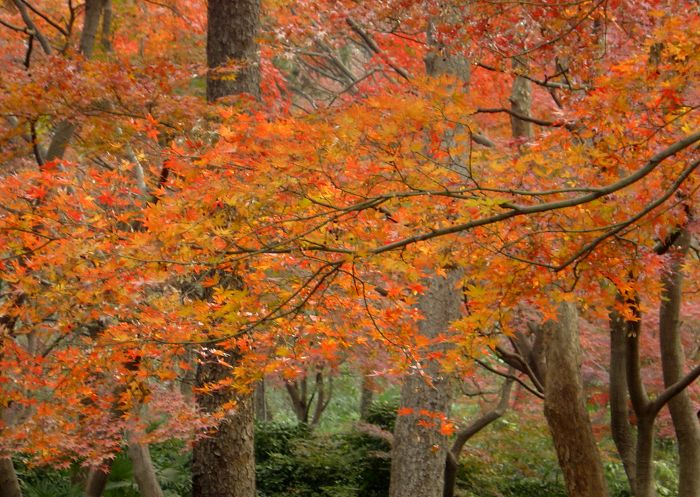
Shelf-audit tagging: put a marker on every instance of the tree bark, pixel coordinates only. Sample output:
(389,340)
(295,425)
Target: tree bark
(565,409)
(451,464)
(644,481)
(231,40)
(419,452)
(96,481)
(685,421)
(366,396)
(262,410)
(93,12)
(144,472)
(520,102)
(223,464)
(622,432)
(9,485)
(64,130)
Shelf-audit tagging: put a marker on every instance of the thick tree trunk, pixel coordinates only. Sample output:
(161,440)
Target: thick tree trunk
(144,472)
(231,41)
(685,421)
(9,485)
(223,464)
(565,409)
(419,452)
(620,426)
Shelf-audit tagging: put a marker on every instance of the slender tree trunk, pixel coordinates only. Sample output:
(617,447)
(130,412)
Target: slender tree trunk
(565,409)
(451,464)
(419,452)
(64,130)
(144,472)
(520,102)
(366,396)
(106,35)
(9,485)
(620,426)
(96,481)
(685,421)
(93,12)
(262,410)
(323,396)
(644,482)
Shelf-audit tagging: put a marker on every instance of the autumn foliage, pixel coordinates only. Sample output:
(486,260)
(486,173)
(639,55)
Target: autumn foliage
(299,230)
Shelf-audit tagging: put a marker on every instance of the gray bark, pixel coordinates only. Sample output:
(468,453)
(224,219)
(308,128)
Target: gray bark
(231,39)
(9,485)
(644,482)
(64,130)
(144,472)
(464,435)
(106,36)
(520,103)
(419,453)
(262,410)
(565,409)
(366,396)
(223,464)
(303,399)
(622,432)
(96,482)
(93,12)
(685,421)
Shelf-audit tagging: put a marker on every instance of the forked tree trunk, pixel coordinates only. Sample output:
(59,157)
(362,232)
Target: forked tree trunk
(565,409)
(685,421)
(464,435)
(144,472)
(419,452)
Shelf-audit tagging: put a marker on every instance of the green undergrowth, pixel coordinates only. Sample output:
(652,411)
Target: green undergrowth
(508,459)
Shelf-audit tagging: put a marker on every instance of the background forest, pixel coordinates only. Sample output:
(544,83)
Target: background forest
(315,248)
